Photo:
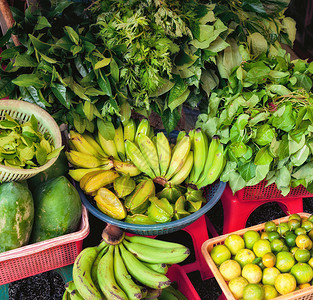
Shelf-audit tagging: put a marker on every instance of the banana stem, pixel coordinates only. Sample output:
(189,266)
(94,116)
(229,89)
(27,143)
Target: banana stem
(160,180)
(113,235)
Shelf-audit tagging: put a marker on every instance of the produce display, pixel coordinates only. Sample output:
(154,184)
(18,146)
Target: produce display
(131,268)
(139,177)
(266,264)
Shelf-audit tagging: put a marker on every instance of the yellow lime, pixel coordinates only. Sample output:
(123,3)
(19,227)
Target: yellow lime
(294,224)
(293,250)
(299,231)
(236,286)
(220,253)
(284,261)
(269,275)
(269,292)
(234,243)
(253,291)
(230,269)
(304,285)
(303,241)
(294,217)
(302,272)
(265,235)
(310,262)
(310,218)
(269,260)
(261,247)
(270,226)
(302,255)
(252,272)
(285,283)
(244,256)
(250,237)
(307,225)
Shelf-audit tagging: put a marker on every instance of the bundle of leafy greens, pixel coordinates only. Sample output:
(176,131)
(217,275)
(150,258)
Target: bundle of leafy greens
(264,117)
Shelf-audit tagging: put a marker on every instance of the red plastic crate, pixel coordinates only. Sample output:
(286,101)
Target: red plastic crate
(43,256)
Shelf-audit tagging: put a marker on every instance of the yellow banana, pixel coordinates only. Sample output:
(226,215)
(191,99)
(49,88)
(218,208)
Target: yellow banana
(179,157)
(100,180)
(137,158)
(119,142)
(83,160)
(126,168)
(149,152)
(81,144)
(180,135)
(143,127)
(183,173)
(86,177)
(92,141)
(130,130)
(77,174)
(164,152)
(108,146)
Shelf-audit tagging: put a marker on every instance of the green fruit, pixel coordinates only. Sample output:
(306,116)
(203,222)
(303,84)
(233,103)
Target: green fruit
(250,237)
(57,209)
(16,215)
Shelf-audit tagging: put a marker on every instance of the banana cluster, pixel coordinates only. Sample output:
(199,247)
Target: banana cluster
(133,269)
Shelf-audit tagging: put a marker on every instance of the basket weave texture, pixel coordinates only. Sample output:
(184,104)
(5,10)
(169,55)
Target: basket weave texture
(207,246)
(22,112)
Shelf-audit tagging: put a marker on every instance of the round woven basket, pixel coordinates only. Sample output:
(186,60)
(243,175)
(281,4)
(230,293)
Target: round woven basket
(22,112)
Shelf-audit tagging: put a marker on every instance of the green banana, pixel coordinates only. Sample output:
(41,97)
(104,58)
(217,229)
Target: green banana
(108,146)
(141,272)
(183,173)
(72,291)
(130,130)
(66,295)
(160,267)
(119,142)
(126,168)
(216,168)
(153,294)
(123,278)
(92,141)
(210,157)
(81,144)
(164,152)
(149,152)
(83,160)
(135,155)
(154,255)
(82,274)
(106,278)
(179,157)
(180,135)
(95,265)
(152,242)
(170,293)
(143,127)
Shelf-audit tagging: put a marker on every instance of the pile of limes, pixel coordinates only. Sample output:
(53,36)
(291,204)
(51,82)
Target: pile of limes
(264,265)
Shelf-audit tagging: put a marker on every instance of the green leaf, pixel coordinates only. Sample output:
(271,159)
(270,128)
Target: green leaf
(6,87)
(230,168)
(30,94)
(25,60)
(179,100)
(34,122)
(299,158)
(295,146)
(170,119)
(106,129)
(284,118)
(263,157)
(47,59)
(59,91)
(236,182)
(305,172)
(41,155)
(72,34)
(255,6)
(104,84)
(283,178)
(42,23)
(79,122)
(238,148)
(102,63)
(115,72)
(260,173)
(39,45)
(247,171)
(26,80)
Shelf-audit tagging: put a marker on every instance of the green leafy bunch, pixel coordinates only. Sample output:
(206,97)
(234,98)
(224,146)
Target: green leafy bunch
(264,117)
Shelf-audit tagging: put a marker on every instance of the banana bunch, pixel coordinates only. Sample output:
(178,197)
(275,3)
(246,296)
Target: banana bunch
(209,160)
(133,269)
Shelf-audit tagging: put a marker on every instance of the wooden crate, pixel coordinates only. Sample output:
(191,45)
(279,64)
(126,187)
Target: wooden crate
(207,246)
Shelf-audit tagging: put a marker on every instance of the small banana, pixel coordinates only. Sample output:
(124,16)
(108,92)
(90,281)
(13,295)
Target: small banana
(106,278)
(180,135)
(153,294)
(157,255)
(149,152)
(95,265)
(66,295)
(153,242)
(123,278)
(83,160)
(82,274)
(143,127)
(81,144)
(130,130)
(141,272)
(216,168)
(183,173)
(126,168)
(92,141)
(99,180)
(179,157)
(160,268)
(119,142)
(72,291)
(86,177)
(135,155)
(108,146)
(164,152)
(77,174)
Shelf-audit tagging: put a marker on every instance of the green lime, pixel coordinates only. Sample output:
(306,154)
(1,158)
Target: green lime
(277,245)
(264,235)
(244,256)
(307,225)
(253,291)
(300,230)
(294,216)
(302,272)
(282,228)
(285,248)
(269,292)
(284,261)
(261,247)
(293,250)
(219,254)
(285,283)
(250,237)
(234,243)
(290,239)
(236,286)
(302,255)
(270,226)
(294,224)
(273,235)
(310,218)
(269,275)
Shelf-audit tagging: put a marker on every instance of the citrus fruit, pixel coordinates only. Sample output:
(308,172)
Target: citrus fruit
(302,255)
(253,291)
(269,260)
(303,241)
(307,225)
(294,217)
(310,218)
(264,235)
(252,272)
(299,231)
(236,286)
(290,239)
(304,285)
(285,283)
(244,256)
(269,275)
(273,235)
(310,234)
(294,224)
(269,292)
(284,261)
(261,247)
(250,237)
(230,269)
(302,272)
(234,243)
(310,262)
(219,254)
(293,250)
(282,228)
(270,226)
(277,245)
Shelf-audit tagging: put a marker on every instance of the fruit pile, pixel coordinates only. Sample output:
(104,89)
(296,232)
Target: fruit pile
(130,268)
(142,178)
(264,265)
